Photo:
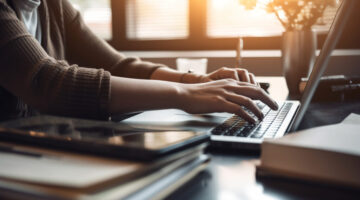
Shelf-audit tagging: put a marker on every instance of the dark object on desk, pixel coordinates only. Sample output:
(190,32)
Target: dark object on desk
(326,113)
(265,86)
(335,88)
(101,138)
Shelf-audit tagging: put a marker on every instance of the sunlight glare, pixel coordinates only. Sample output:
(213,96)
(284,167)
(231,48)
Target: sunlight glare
(220,4)
(231,18)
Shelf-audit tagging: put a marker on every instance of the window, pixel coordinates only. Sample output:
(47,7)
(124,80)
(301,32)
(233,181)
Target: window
(228,18)
(186,24)
(157,19)
(97,15)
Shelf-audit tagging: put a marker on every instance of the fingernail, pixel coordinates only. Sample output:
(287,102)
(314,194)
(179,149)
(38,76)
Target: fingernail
(252,120)
(276,105)
(262,116)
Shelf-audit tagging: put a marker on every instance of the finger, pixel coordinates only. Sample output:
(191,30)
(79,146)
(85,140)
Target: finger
(243,114)
(256,93)
(252,79)
(244,75)
(224,105)
(233,74)
(229,73)
(239,111)
(247,102)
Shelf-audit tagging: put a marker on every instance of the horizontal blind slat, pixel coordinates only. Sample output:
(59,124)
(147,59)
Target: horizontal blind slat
(157,19)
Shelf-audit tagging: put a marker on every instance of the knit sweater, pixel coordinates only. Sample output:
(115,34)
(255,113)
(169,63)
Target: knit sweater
(67,74)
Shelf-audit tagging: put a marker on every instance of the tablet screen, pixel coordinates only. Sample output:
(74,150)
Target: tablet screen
(146,140)
(152,140)
(105,138)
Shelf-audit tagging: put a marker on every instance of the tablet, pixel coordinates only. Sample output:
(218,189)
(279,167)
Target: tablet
(143,146)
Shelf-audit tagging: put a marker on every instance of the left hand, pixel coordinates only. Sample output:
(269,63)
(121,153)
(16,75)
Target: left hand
(238,74)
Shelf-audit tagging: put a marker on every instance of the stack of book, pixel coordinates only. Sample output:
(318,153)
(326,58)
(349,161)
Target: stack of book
(35,172)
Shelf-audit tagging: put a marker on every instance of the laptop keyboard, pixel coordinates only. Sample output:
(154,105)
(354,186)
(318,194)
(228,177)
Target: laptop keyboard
(267,128)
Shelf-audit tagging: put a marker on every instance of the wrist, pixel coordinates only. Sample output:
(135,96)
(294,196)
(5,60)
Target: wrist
(181,96)
(191,78)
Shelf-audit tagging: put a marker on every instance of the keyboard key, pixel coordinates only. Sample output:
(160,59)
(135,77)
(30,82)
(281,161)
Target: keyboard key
(260,105)
(233,131)
(247,130)
(236,126)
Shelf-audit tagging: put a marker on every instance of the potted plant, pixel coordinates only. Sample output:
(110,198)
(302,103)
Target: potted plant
(299,40)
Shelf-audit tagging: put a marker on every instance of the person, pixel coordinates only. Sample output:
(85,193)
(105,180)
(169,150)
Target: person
(51,62)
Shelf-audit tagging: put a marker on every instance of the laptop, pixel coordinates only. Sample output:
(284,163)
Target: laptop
(230,131)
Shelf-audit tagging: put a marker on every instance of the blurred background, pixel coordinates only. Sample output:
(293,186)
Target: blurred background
(162,30)
(170,19)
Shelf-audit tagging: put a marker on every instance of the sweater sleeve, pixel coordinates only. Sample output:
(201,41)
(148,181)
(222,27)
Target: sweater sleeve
(86,49)
(49,85)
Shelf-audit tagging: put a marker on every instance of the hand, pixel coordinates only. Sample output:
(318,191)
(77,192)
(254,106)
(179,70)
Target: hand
(227,95)
(237,74)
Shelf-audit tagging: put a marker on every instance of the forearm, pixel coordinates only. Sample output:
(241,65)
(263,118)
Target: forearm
(130,95)
(168,74)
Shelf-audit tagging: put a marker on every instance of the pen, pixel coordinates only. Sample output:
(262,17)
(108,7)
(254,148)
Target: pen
(239,49)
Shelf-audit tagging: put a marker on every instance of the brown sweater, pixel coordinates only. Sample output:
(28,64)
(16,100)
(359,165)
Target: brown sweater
(67,74)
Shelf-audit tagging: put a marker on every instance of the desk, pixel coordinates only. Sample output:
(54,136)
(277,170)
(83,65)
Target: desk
(231,175)
(278,89)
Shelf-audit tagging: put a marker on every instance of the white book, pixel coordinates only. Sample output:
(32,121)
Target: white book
(328,154)
(53,173)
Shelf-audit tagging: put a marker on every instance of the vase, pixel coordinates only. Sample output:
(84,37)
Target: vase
(298,57)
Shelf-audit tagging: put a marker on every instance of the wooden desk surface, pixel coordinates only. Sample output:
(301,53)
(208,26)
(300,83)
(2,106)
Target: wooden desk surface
(278,89)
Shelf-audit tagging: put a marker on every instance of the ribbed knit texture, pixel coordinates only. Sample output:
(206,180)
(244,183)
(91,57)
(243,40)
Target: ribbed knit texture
(67,74)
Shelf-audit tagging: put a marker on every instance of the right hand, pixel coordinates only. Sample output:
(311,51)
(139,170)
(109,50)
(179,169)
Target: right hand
(226,95)
(238,74)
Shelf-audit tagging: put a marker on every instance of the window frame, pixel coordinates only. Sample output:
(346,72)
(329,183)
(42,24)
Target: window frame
(197,40)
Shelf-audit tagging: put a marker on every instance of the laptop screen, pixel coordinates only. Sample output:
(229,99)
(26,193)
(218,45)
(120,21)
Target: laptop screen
(335,32)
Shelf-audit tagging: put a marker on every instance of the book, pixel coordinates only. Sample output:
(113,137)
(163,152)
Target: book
(328,154)
(57,174)
(157,185)
(171,180)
